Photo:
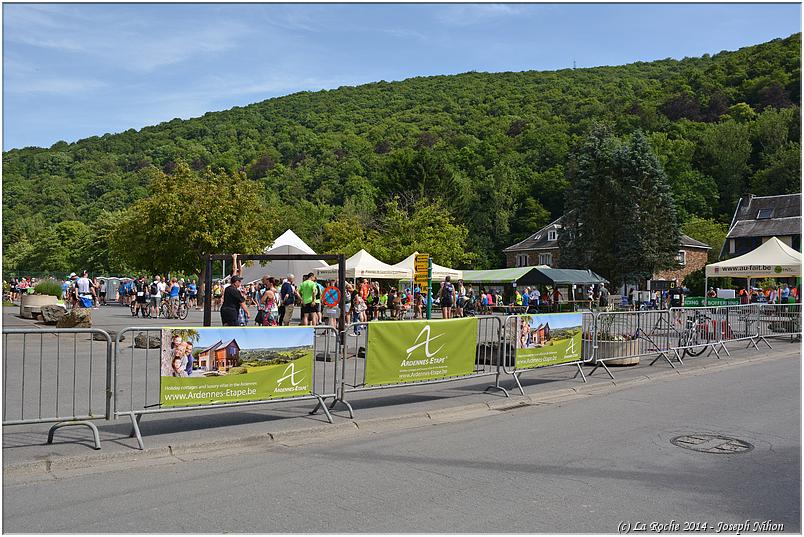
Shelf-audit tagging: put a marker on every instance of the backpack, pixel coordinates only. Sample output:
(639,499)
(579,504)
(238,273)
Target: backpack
(154,288)
(485,300)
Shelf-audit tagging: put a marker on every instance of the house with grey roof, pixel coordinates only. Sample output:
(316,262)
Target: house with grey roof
(758,218)
(540,248)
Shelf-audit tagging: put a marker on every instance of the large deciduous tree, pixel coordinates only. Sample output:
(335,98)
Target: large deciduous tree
(622,219)
(189,215)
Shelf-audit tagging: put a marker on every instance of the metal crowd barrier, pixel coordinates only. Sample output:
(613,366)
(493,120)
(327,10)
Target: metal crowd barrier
(624,336)
(488,360)
(509,349)
(57,375)
(778,320)
(137,377)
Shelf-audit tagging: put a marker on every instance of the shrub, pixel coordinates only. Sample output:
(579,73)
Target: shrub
(238,371)
(48,287)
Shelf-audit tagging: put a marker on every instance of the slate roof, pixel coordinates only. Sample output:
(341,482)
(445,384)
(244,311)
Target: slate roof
(784,220)
(689,242)
(537,241)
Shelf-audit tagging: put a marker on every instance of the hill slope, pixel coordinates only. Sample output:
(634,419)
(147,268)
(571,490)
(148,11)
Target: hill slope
(492,146)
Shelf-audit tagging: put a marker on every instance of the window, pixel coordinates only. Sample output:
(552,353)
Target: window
(522,260)
(682,257)
(545,259)
(552,235)
(765,214)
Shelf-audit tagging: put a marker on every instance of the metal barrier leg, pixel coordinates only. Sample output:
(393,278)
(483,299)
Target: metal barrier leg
(497,386)
(332,406)
(752,342)
(135,429)
(663,355)
(678,356)
(95,434)
(762,338)
(598,364)
(580,370)
(324,407)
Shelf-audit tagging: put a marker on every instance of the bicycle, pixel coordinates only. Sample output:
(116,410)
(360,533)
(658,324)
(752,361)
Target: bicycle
(181,310)
(695,336)
(145,308)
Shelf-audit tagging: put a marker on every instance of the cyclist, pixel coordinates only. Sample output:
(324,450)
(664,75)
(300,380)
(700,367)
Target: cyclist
(141,291)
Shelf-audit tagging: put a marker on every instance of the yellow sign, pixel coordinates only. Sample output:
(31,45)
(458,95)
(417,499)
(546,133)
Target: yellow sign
(420,278)
(421,263)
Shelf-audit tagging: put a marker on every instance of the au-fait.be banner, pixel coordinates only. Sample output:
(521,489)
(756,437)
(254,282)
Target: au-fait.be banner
(549,339)
(202,366)
(413,351)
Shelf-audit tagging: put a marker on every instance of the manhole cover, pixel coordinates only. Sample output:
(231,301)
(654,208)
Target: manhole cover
(712,443)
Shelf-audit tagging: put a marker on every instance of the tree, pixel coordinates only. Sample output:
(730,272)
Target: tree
(622,219)
(187,216)
(707,231)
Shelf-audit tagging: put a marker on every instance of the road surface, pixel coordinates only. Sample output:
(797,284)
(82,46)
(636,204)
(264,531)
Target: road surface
(599,463)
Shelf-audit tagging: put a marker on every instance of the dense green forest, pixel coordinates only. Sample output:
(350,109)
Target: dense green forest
(484,154)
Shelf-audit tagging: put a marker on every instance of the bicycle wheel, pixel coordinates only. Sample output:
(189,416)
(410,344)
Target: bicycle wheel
(183,310)
(696,342)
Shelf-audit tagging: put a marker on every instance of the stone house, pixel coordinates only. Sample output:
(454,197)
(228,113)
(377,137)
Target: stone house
(219,356)
(541,248)
(692,256)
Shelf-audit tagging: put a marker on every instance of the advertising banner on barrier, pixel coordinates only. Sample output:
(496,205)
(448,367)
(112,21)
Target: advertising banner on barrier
(549,339)
(696,301)
(413,351)
(202,366)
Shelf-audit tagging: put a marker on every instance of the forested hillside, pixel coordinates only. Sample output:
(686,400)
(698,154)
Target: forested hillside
(486,151)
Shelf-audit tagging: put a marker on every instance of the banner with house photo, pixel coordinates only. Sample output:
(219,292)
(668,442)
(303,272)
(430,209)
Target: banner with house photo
(202,366)
(549,339)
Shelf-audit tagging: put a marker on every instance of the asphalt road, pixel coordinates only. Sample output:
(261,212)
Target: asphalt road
(582,465)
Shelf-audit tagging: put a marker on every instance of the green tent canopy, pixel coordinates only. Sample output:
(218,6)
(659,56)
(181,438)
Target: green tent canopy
(541,274)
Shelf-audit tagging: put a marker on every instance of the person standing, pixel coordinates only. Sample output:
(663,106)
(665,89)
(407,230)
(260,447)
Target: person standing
(192,292)
(307,291)
(446,296)
(84,288)
(604,296)
(287,295)
(233,301)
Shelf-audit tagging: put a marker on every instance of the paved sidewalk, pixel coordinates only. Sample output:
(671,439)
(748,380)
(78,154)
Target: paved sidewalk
(25,450)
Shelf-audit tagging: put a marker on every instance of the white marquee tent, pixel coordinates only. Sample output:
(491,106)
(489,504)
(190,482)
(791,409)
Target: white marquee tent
(287,243)
(365,265)
(439,272)
(774,259)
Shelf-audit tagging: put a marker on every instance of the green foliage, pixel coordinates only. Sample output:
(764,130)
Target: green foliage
(489,150)
(48,287)
(707,231)
(622,221)
(189,215)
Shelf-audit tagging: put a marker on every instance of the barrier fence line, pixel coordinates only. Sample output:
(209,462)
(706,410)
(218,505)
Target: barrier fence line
(778,320)
(366,366)
(143,382)
(32,389)
(518,340)
(41,379)
(622,337)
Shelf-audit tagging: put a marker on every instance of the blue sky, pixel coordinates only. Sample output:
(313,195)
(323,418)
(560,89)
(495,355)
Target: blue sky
(78,70)
(557,320)
(256,338)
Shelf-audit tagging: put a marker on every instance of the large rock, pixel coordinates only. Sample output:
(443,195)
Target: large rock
(112,335)
(76,318)
(143,341)
(52,313)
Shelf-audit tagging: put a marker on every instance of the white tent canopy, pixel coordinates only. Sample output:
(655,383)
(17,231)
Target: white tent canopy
(774,259)
(439,272)
(288,238)
(365,265)
(287,243)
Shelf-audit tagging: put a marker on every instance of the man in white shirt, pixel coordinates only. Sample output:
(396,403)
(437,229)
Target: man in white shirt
(157,290)
(84,287)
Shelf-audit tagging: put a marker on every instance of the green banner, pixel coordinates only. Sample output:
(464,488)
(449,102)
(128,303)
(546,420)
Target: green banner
(695,301)
(413,351)
(202,366)
(549,339)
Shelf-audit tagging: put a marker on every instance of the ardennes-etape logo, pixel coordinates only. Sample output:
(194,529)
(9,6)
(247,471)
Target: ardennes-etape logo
(292,375)
(426,343)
